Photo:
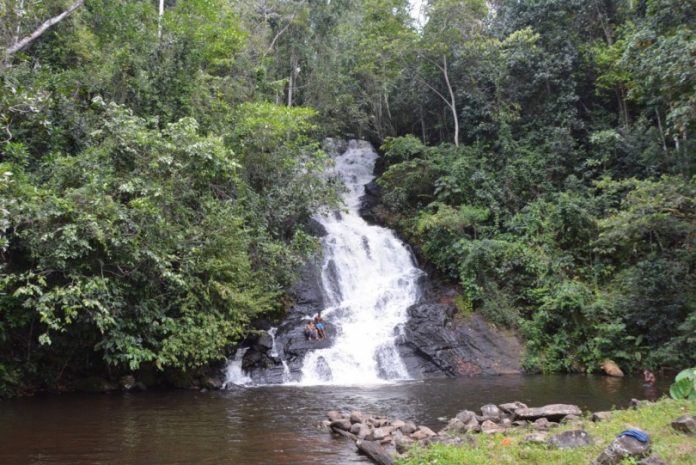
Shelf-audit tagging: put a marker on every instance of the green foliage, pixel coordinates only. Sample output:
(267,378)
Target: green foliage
(568,210)
(684,386)
(146,214)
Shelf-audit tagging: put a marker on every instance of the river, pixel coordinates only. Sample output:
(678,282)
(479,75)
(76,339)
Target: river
(263,425)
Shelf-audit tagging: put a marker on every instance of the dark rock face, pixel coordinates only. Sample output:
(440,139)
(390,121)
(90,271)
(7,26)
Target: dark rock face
(437,341)
(265,367)
(370,202)
(334,146)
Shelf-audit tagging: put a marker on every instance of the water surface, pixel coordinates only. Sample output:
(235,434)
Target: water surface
(265,425)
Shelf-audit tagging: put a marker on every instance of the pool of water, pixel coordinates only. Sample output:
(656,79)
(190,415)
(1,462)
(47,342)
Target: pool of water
(264,425)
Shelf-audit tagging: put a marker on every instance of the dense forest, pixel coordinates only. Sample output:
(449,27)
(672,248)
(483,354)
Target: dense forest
(159,164)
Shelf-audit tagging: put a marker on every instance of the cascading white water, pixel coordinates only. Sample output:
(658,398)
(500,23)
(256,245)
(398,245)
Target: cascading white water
(369,281)
(234,375)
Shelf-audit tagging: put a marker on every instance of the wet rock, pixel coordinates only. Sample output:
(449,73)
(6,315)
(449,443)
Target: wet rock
(403,444)
(570,440)
(397,424)
(465,416)
(436,342)
(342,424)
(364,431)
(620,448)
(610,368)
(550,412)
(382,432)
(355,428)
(409,427)
(600,416)
(536,438)
(511,407)
(491,412)
(421,433)
(489,427)
(96,384)
(127,382)
(418,435)
(542,424)
(378,422)
(358,417)
(685,424)
(315,228)
(264,342)
(426,430)
(212,382)
(457,426)
(570,419)
(334,415)
(370,203)
(334,146)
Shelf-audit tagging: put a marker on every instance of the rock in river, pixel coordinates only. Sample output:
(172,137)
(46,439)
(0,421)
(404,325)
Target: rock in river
(552,412)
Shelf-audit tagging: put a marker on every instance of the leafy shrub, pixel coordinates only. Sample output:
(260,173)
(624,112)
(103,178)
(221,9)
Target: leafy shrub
(684,386)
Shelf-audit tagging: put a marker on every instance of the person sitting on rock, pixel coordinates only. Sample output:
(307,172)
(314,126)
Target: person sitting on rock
(311,331)
(319,323)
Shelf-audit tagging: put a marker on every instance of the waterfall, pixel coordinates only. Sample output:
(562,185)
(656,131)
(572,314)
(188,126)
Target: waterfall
(369,281)
(234,375)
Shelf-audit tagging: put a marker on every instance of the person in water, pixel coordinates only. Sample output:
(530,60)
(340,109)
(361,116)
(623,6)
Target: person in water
(311,331)
(648,377)
(319,324)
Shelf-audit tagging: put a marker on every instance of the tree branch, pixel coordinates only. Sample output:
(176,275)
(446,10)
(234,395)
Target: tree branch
(444,99)
(277,36)
(41,29)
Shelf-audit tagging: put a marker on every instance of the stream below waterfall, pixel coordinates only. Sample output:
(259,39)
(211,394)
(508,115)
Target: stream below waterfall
(271,425)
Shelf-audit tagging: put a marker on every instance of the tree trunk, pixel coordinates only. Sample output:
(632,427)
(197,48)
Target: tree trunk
(453,102)
(20,45)
(377,453)
(159,19)
(293,75)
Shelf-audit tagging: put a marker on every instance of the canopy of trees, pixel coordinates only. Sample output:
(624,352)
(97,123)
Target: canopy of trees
(158,168)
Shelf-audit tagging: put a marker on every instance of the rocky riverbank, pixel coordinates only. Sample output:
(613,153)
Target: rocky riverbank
(646,433)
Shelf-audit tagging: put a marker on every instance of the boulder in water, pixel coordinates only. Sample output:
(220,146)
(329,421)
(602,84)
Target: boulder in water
(610,368)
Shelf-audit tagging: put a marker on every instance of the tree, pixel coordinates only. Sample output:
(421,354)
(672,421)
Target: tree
(451,24)
(19,44)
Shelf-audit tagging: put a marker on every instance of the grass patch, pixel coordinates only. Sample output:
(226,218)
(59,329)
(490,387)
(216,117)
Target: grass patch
(673,447)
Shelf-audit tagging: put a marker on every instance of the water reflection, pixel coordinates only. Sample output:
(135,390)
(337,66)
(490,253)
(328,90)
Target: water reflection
(268,425)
